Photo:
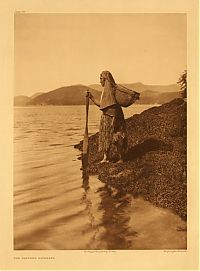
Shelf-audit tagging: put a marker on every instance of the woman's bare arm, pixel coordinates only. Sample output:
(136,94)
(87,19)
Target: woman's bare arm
(95,101)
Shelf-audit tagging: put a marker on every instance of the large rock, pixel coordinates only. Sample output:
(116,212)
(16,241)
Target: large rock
(155,165)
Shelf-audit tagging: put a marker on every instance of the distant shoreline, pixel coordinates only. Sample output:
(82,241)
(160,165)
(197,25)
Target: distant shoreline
(75,95)
(60,105)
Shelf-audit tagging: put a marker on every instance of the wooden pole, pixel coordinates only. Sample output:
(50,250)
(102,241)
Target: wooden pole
(86,138)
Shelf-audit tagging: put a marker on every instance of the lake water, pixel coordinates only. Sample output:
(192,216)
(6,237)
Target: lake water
(53,209)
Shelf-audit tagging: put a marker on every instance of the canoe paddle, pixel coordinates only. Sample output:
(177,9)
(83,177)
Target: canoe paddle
(86,138)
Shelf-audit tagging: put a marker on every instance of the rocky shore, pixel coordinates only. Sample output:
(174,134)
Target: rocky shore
(155,166)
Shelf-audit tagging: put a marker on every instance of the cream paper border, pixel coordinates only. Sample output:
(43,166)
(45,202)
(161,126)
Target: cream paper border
(77,259)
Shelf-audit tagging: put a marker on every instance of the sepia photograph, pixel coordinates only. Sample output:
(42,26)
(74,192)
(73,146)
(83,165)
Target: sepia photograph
(99,135)
(100,131)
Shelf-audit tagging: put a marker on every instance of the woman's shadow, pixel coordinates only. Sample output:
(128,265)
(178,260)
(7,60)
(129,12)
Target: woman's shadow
(146,146)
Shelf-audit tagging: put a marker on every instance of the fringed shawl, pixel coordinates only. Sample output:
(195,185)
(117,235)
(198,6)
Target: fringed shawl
(108,93)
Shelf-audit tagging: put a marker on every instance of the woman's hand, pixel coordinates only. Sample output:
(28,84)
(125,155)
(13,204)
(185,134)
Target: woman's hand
(90,96)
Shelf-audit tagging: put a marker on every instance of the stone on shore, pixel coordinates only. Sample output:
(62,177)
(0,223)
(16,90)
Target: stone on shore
(155,165)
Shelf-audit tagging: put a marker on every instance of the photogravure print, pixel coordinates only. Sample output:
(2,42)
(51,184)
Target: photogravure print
(98,171)
(132,194)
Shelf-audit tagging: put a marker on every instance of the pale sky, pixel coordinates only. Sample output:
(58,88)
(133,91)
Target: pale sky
(55,50)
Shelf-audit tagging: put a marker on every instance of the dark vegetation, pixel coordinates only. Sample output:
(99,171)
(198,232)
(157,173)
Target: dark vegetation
(182,82)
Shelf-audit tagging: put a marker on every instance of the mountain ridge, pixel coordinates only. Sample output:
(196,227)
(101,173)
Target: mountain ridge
(75,95)
(140,87)
(64,96)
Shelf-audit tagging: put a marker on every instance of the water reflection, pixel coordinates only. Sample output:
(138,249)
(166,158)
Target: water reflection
(93,224)
(85,177)
(116,219)
(112,230)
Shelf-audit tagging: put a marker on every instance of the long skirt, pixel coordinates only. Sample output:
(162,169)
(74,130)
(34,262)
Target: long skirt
(113,134)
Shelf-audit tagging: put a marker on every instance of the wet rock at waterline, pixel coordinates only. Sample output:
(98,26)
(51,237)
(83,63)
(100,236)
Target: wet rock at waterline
(155,165)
